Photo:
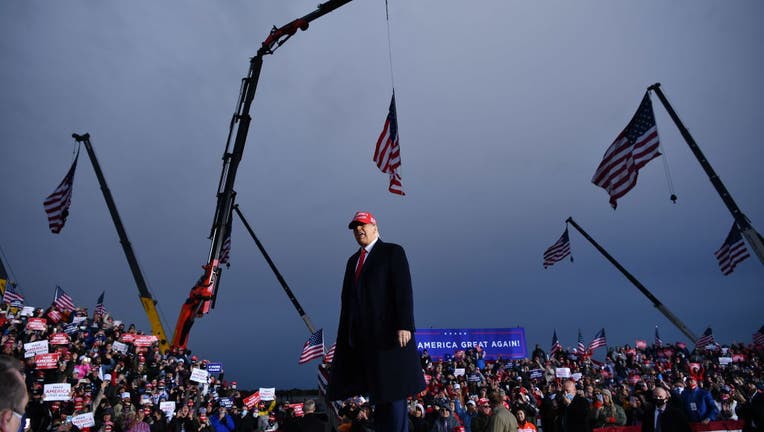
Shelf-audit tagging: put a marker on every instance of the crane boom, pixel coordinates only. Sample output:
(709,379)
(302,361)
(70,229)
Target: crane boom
(200,299)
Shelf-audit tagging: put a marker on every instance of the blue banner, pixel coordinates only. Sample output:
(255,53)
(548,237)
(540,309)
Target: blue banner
(509,343)
(214,368)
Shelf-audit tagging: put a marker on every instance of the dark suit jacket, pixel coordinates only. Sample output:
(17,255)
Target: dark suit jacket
(673,419)
(575,416)
(368,359)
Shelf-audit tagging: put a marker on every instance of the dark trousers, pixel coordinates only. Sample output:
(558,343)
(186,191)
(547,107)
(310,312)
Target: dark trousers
(391,416)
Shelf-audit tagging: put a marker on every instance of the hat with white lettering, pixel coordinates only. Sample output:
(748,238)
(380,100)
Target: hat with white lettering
(362,218)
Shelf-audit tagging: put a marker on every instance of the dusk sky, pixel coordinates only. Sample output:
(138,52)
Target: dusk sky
(505,109)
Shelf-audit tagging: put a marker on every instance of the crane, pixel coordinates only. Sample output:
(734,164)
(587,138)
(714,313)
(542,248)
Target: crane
(202,297)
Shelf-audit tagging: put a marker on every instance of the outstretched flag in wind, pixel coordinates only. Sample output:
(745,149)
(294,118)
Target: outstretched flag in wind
(11,297)
(706,339)
(632,149)
(758,337)
(732,252)
(100,309)
(57,203)
(313,348)
(598,341)
(559,250)
(555,344)
(387,153)
(62,300)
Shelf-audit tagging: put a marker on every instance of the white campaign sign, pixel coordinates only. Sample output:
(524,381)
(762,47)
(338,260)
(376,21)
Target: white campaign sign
(119,347)
(458,372)
(84,420)
(576,376)
(31,349)
(199,375)
(562,372)
(167,407)
(57,392)
(267,393)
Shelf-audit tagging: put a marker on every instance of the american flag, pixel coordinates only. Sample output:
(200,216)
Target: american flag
(330,354)
(555,344)
(758,337)
(99,310)
(387,153)
(62,300)
(732,252)
(598,341)
(57,203)
(706,339)
(658,340)
(636,145)
(10,296)
(559,250)
(313,348)
(580,348)
(323,379)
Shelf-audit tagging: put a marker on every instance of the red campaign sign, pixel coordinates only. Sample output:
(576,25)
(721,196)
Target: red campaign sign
(127,338)
(297,409)
(144,340)
(252,399)
(641,344)
(738,358)
(37,324)
(59,339)
(47,361)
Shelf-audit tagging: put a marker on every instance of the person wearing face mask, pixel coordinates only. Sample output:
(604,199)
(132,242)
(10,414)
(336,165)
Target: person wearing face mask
(575,411)
(662,416)
(698,403)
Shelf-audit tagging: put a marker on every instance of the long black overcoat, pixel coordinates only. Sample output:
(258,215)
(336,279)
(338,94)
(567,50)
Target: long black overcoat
(368,359)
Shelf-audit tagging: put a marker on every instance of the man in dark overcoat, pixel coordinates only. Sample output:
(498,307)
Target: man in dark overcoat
(376,353)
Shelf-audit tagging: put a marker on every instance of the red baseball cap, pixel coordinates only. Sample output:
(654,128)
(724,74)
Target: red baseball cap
(362,218)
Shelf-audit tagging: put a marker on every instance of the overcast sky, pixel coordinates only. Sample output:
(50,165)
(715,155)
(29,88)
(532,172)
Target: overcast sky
(505,109)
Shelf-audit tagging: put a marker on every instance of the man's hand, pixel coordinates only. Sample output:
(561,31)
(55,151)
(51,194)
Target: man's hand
(404,336)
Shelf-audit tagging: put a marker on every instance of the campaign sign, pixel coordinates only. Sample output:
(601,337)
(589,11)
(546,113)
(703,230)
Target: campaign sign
(56,392)
(78,319)
(31,349)
(47,360)
(144,340)
(84,420)
(724,361)
(27,311)
(226,402)
(127,338)
(199,375)
(252,400)
(459,372)
(37,324)
(562,372)
(70,328)
(537,373)
(268,393)
(119,347)
(509,343)
(215,368)
(59,339)
(55,316)
(167,407)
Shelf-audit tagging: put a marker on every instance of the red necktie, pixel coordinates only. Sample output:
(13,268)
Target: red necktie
(360,264)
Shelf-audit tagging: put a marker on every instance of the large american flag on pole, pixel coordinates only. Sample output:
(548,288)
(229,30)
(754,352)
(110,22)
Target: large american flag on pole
(732,252)
(598,341)
(706,339)
(758,337)
(559,250)
(11,297)
(634,147)
(100,309)
(57,203)
(313,348)
(387,153)
(62,300)
(658,340)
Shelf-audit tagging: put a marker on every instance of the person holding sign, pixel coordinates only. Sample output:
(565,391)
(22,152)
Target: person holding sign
(13,395)
(376,354)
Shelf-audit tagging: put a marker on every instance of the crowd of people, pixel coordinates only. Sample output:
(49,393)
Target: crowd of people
(127,389)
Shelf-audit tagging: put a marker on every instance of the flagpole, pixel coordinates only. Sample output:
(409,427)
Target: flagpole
(149,304)
(276,272)
(660,306)
(754,238)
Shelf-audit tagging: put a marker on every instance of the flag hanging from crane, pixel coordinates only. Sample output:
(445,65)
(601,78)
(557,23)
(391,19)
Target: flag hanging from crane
(313,348)
(732,252)
(559,250)
(57,203)
(387,153)
(632,149)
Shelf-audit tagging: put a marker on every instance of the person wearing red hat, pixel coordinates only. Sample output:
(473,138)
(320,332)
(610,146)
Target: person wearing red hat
(376,353)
